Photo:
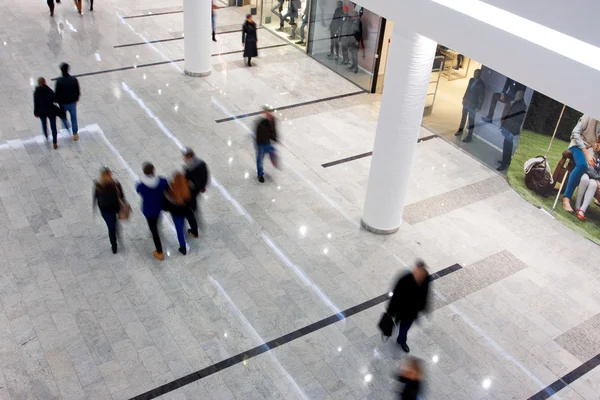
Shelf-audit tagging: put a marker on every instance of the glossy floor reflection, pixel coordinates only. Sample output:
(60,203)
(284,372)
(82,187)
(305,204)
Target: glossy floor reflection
(77,322)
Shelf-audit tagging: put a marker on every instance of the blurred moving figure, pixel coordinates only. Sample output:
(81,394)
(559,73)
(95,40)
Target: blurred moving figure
(108,196)
(410,377)
(44,109)
(177,202)
(151,189)
(472,102)
(265,134)
(410,297)
(196,172)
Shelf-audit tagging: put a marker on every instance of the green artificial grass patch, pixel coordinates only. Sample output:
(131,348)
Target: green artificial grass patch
(531,145)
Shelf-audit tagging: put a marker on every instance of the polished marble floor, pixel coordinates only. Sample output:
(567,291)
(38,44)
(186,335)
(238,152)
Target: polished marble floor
(77,322)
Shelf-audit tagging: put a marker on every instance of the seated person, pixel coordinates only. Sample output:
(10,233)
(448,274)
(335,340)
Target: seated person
(588,185)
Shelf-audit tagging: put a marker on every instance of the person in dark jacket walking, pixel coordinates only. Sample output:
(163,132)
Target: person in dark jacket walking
(410,377)
(335,28)
(44,109)
(67,94)
(107,193)
(511,127)
(266,133)
(249,39)
(472,102)
(177,201)
(196,173)
(409,298)
(151,189)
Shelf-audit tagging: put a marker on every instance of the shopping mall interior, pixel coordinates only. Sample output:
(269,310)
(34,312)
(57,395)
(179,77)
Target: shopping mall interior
(282,293)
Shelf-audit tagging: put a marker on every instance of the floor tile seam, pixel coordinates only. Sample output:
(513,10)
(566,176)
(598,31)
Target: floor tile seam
(277,342)
(157,63)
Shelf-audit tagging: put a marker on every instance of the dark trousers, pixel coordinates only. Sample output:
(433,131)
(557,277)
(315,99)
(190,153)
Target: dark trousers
(153,225)
(507,147)
(50,6)
(470,112)
(403,331)
(191,219)
(179,222)
(111,223)
(334,44)
(459,60)
(52,119)
(494,101)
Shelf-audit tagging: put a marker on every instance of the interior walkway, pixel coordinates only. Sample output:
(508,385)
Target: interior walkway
(270,301)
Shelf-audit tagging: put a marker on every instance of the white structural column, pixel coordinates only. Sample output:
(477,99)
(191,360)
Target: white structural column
(407,76)
(197,37)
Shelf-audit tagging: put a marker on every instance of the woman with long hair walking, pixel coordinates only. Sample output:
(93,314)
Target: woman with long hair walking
(108,195)
(178,199)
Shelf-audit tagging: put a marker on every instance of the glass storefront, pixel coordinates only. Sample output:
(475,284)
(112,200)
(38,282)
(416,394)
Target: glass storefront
(341,35)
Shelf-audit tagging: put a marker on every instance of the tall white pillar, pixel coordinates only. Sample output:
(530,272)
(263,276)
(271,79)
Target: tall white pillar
(407,76)
(197,37)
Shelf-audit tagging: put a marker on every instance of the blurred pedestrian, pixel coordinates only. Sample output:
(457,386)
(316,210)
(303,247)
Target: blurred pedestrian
(67,94)
(410,377)
(177,203)
(51,6)
(108,195)
(409,298)
(266,133)
(45,109)
(91,5)
(249,39)
(151,189)
(212,18)
(196,172)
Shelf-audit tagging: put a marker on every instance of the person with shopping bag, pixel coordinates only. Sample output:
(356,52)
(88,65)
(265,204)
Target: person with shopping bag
(109,197)
(410,297)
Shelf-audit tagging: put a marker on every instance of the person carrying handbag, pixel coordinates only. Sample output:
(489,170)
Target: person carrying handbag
(109,197)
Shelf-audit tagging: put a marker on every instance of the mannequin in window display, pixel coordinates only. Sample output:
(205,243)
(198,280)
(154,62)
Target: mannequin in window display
(506,96)
(511,127)
(277,10)
(472,102)
(354,41)
(335,28)
(304,23)
(346,35)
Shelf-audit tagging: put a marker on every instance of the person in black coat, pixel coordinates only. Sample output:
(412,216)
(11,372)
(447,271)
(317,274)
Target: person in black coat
(266,133)
(249,39)
(44,108)
(107,193)
(511,127)
(335,29)
(196,173)
(472,102)
(409,298)
(67,94)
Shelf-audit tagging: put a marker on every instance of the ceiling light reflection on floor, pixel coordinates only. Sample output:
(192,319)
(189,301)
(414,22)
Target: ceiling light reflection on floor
(487,382)
(435,359)
(368,378)
(303,230)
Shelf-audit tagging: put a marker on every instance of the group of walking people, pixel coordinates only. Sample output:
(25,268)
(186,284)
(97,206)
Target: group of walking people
(49,104)
(78,4)
(177,196)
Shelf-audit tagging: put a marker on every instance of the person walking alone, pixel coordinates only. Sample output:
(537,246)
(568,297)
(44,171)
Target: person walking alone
(67,94)
(177,201)
(108,194)
(196,173)
(410,297)
(249,39)
(44,109)
(151,189)
(265,133)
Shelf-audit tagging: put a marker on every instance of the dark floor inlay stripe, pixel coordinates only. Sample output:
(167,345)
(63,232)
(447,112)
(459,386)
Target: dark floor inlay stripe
(166,40)
(272,344)
(567,379)
(153,14)
(367,154)
(306,103)
(345,160)
(105,71)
